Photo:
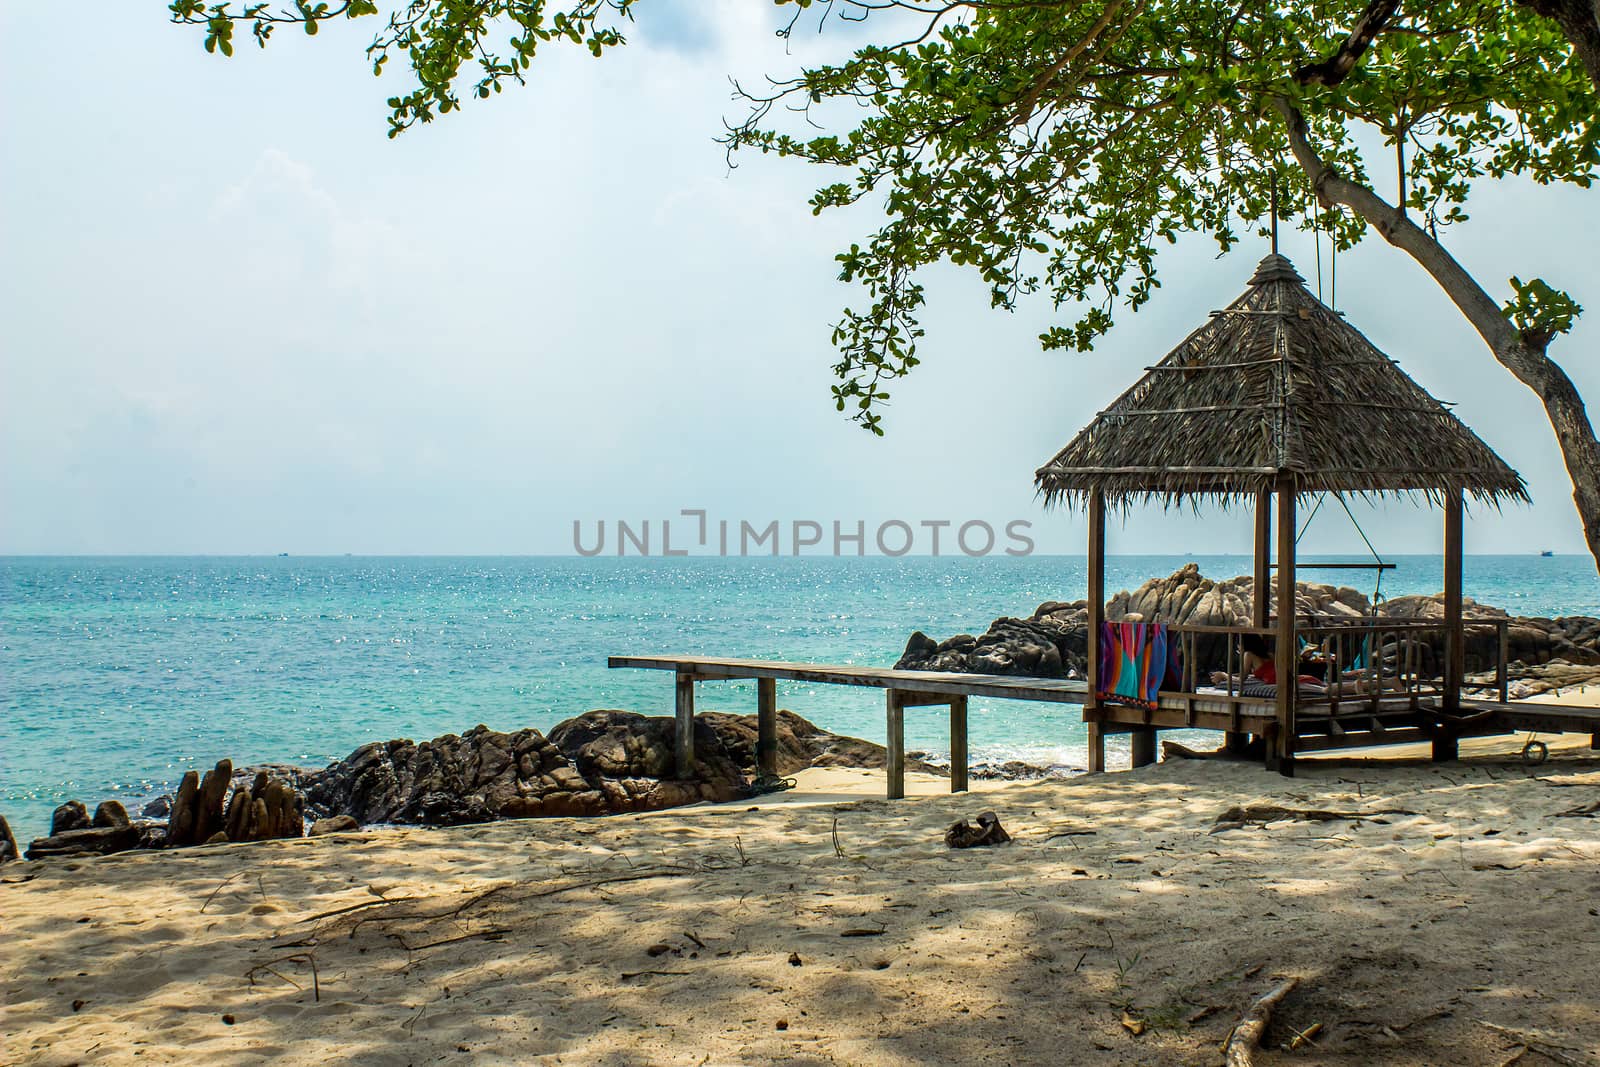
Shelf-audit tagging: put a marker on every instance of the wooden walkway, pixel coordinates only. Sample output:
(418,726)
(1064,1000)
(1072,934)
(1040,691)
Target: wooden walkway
(914,689)
(906,689)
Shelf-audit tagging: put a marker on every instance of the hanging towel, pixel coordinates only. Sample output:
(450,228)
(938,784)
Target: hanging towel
(1135,660)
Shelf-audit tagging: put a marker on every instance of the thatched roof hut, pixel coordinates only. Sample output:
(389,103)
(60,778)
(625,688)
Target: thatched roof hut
(1276,387)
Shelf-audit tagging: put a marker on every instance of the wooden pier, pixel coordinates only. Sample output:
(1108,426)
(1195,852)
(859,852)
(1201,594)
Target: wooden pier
(906,689)
(1401,723)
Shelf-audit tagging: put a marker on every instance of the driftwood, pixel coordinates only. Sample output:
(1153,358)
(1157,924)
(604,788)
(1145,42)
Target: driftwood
(1239,815)
(1238,1050)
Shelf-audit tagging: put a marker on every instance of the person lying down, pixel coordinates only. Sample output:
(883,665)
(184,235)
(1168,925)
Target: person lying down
(1261,674)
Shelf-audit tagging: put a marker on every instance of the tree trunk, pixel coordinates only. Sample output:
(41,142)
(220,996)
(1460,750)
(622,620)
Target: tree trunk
(1528,362)
(1580,21)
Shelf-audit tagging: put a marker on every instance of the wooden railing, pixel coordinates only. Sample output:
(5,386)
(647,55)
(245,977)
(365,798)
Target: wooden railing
(1395,660)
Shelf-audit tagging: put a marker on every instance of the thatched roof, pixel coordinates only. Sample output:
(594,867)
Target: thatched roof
(1276,385)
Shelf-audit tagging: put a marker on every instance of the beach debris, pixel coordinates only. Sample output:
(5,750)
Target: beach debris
(1243,815)
(988,831)
(1238,1050)
(1201,1014)
(782,1024)
(270,967)
(660,948)
(1133,1024)
(630,975)
(865,931)
(335,824)
(1581,811)
(228,1019)
(1566,1054)
(1304,1037)
(795,960)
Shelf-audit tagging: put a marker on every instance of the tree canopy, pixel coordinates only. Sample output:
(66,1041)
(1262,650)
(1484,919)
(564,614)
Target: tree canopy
(1055,146)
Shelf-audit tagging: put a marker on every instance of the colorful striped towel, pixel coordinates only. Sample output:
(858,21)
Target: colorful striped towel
(1136,660)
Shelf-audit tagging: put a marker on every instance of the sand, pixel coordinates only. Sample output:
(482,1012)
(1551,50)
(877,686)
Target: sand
(825,926)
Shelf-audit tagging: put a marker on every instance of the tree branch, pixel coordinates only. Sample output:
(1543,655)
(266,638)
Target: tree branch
(1524,356)
(1337,67)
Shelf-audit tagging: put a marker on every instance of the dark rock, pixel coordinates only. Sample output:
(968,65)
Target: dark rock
(111,814)
(1023,646)
(159,808)
(94,840)
(338,824)
(180,828)
(600,763)
(70,816)
(8,843)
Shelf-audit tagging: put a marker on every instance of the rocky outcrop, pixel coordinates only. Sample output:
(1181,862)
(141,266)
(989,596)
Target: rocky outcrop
(1045,646)
(1016,646)
(8,843)
(600,763)
(269,809)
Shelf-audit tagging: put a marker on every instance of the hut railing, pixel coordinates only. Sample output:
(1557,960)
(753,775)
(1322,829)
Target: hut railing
(1398,662)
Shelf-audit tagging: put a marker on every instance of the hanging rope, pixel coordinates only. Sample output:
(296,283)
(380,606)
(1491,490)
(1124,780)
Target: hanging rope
(1378,562)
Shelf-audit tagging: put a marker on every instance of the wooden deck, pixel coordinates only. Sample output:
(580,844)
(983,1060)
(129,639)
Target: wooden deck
(905,689)
(1389,721)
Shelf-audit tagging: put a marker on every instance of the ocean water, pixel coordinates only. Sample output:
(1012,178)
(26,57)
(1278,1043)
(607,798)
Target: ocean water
(118,674)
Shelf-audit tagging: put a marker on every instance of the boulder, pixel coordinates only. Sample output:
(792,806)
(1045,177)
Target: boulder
(1018,646)
(8,843)
(70,816)
(600,763)
(111,815)
(337,824)
(90,841)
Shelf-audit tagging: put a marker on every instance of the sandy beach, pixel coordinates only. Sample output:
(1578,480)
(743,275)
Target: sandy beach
(1450,913)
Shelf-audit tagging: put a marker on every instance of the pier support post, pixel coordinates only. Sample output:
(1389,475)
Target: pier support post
(1143,742)
(767,726)
(1097,748)
(958,744)
(896,746)
(1287,657)
(684,749)
(1096,607)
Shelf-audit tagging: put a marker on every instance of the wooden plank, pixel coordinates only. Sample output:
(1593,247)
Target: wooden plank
(1002,687)
(896,746)
(767,726)
(684,747)
(1143,743)
(1287,661)
(1263,559)
(958,745)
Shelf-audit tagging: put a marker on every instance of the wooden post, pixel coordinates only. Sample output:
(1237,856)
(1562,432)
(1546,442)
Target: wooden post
(1143,742)
(896,746)
(958,744)
(1097,599)
(684,749)
(1287,658)
(1263,572)
(767,726)
(1444,742)
(1238,742)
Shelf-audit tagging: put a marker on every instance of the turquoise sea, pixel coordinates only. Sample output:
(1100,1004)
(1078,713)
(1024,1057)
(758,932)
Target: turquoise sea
(120,673)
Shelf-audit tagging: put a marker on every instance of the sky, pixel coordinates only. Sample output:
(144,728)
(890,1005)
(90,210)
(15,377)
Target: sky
(236,318)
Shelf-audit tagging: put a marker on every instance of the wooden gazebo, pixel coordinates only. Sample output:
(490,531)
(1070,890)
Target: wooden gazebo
(1277,395)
